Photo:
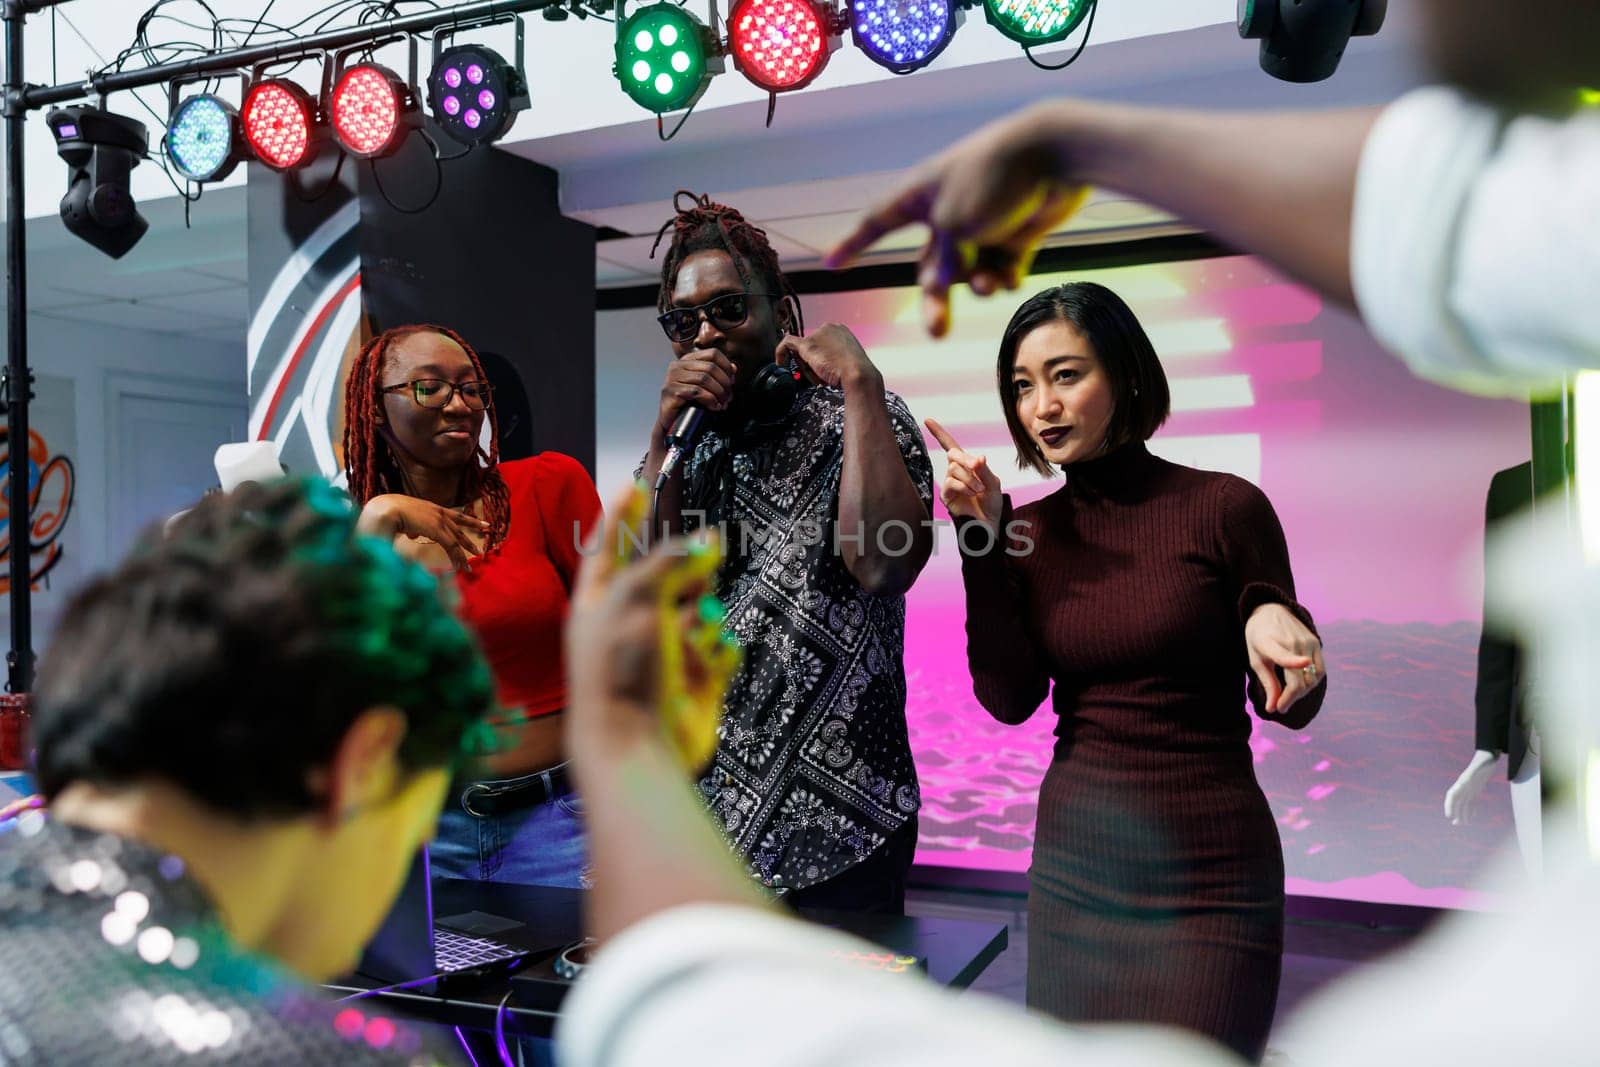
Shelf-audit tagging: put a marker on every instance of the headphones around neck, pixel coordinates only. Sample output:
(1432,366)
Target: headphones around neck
(772,391)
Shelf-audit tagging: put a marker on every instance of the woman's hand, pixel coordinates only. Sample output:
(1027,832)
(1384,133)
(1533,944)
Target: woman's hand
(988,201)
(646,657)
(970,489)
(459,535)
(1275,638)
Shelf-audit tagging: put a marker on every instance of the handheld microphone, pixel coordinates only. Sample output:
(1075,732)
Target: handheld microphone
(772,392)
(679,438)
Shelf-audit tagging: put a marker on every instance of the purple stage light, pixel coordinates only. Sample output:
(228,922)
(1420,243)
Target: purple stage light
(475,94)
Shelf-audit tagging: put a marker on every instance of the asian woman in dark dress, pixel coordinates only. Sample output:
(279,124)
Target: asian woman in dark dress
(1146,598)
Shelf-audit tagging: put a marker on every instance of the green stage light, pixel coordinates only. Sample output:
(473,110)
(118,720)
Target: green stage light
(1036,22)
(665,57)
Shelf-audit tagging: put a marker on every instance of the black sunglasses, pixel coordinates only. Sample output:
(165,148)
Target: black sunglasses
(725,312)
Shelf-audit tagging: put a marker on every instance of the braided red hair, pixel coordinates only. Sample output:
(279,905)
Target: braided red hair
(370,464)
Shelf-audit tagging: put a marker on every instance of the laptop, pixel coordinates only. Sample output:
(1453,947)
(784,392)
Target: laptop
(414,948)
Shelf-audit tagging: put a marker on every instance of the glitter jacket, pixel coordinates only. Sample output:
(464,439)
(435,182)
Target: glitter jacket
(111,953)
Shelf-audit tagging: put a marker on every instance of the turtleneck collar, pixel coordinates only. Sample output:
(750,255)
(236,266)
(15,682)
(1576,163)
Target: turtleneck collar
(1112,474)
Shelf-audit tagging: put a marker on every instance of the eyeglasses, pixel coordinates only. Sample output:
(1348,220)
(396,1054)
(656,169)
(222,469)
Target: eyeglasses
(725,312)
(437,393)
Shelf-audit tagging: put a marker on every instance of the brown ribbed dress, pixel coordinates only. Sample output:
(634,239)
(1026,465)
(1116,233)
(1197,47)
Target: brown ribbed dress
(1156,890)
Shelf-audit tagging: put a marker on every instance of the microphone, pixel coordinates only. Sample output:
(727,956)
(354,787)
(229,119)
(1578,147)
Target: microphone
(684,428)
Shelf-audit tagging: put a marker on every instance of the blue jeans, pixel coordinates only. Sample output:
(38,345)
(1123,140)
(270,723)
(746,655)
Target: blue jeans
(542,844)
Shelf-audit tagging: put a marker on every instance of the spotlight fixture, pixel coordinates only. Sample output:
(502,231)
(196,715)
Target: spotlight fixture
(781,45)
(665,57)
(100,150)
(1303,40)
(372,110)
(1036,22)
(281,124)
(474,94)
(204,139)
(904,35)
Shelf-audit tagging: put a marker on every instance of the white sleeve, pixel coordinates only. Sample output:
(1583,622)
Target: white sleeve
(1475,246)
(724,986)
(1509,986)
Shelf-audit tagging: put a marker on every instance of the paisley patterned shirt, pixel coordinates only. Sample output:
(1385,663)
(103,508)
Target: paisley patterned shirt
(813,767)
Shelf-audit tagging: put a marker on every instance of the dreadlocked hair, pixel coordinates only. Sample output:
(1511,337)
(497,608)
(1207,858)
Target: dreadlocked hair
(369,462)
(705,225)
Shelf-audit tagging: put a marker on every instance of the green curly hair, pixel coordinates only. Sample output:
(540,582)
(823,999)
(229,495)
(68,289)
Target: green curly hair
(230,653)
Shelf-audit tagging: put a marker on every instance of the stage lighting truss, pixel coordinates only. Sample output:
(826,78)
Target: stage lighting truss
(205,136)
(782,45)
(1032,23)
(372,110)
(473,93)
(903,36)
(282,124)
(665,56)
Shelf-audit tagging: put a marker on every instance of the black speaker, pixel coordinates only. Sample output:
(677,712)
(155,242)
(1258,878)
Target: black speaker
(1303,40)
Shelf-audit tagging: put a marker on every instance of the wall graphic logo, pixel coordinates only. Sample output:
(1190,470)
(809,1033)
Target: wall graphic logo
(51,481)
(303,334)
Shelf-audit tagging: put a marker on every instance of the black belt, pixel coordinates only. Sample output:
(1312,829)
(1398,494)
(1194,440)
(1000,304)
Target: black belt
(484,799)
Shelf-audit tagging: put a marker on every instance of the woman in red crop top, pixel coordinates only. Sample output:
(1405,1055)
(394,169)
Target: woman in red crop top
(415,404)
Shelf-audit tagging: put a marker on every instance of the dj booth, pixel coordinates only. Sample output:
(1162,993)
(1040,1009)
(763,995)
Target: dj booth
(954,952)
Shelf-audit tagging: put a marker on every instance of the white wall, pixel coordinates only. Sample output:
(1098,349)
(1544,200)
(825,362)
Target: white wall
(149,410)
(568,66)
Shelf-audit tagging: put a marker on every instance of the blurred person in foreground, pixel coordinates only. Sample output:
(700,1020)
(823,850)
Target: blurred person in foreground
(244,733)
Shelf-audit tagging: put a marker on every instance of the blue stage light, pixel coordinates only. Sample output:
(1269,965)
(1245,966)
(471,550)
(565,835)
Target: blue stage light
(903,35)
(203,138)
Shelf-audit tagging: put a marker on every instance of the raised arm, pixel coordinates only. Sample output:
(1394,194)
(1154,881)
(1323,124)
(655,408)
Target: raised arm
(1279,184)
(646,670)
(886,485)
(1007,675)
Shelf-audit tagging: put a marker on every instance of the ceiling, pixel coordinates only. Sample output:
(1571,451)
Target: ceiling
(176,280)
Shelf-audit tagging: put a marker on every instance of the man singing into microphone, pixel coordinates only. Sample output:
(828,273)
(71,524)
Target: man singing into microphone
(821,482)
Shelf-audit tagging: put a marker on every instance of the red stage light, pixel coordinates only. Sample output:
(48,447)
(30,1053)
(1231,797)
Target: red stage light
(278,120)
(779,44)
(370,109)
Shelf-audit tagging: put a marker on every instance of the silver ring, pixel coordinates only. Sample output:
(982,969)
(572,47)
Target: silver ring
(1309,670)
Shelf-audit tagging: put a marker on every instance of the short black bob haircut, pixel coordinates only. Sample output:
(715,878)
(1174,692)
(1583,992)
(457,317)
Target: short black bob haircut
(1139,389)
(229,655)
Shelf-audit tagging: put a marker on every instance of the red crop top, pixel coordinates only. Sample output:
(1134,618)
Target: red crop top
(515,599)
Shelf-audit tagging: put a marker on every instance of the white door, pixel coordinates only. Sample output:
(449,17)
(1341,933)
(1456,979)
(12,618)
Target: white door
(163,435)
